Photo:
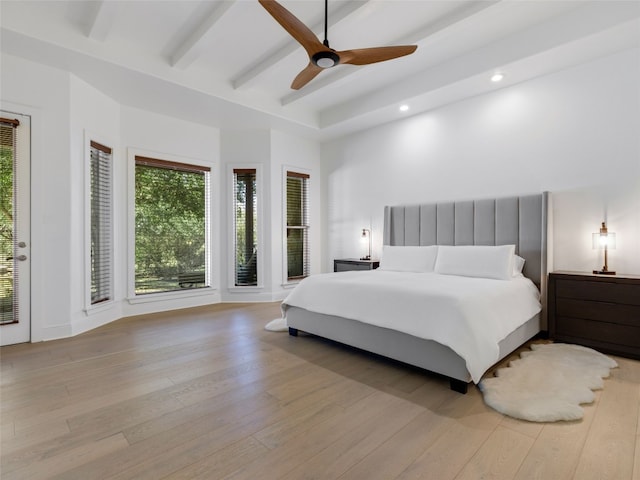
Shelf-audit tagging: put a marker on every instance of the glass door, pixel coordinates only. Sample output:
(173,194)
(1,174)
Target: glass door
(15,160)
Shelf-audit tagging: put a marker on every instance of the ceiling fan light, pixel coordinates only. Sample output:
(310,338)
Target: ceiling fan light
(325,59)
(325,63)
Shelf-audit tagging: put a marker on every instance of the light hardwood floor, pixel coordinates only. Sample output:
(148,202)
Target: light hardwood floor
(207,393)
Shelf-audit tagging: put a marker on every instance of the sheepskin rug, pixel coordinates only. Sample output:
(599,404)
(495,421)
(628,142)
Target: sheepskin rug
(277,325)
(548,383)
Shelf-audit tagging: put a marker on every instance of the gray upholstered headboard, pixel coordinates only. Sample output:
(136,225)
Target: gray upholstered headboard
(521,221)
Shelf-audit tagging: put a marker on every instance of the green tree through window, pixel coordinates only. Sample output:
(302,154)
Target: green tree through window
(170,226)
(246,227)
(297,225)
(7,159)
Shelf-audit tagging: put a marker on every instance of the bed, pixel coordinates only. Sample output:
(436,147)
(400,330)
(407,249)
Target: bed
(520,221)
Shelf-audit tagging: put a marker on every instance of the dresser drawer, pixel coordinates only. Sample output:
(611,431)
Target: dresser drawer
(347,264)
(345,267)
(598,311)
(600,291)
(624,335)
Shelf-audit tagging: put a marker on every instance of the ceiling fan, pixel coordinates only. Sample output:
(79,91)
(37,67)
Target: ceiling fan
(321,56)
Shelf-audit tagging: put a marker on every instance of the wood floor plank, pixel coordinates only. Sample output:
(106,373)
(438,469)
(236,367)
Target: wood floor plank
(609,449)
(208,393)
(93,404)
(636,463)
(214,406)
(499,457)
(317,408)
(530,429)
(465,434)
(47,467)
(392,457)
(300,448)
(188,449)
(222,462)
(178,446)
(557,449)
(38,433)
(360,438)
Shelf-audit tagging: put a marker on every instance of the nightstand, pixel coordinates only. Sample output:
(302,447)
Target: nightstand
(601,312)
(346,264)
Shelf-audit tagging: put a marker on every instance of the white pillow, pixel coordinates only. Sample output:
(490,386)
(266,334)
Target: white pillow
(408,258)
(476,261)
(518,265)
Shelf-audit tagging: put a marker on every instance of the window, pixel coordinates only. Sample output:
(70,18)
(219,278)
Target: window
(245,214)
(101,259)
(8,191)
(297,205)
(171,226)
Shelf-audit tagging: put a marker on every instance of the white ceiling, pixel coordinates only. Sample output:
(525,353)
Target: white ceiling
(230,65)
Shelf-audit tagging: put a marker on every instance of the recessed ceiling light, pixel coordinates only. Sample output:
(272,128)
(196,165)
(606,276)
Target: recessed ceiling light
(404,108)
(496,77)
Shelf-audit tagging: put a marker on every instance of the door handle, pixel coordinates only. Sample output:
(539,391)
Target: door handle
(22,258)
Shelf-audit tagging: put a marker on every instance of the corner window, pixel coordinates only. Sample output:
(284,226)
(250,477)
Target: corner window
(245,224)
(171,226)
(101,213)
(297,229)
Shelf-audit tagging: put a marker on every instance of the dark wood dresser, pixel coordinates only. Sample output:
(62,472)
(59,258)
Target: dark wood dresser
(598,311)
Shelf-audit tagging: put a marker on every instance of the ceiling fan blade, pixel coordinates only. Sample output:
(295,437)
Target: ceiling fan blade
(305,76)
(365,56)
(295,27)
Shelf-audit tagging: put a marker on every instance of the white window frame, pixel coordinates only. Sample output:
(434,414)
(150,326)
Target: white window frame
(98,307)
(211,251)
(231,236)
(286,283)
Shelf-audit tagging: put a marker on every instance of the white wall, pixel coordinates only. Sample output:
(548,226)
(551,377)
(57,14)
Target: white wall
(66,113)
(274,152)
(93,116)
(238,149)
(44,93)
(168,138)
(296,153)
(574,133)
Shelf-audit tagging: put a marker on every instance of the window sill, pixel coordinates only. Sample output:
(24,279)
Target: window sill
(252,288)
(175,295)
(99,307)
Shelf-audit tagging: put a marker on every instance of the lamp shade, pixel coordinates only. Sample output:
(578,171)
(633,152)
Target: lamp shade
(603,239)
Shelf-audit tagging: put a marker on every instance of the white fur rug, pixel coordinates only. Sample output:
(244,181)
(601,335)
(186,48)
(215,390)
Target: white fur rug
(277,325)
(548,383)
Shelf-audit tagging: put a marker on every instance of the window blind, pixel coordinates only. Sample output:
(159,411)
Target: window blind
(297,195)
(9,278)
(245,213)
(101,223)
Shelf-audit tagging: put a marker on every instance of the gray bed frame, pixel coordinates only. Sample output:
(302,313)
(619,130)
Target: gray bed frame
(520,220)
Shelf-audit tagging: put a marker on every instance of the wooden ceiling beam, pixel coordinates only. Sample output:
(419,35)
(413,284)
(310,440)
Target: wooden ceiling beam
(189,50)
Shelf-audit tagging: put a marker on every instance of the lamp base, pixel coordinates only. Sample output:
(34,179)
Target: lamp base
(604,272)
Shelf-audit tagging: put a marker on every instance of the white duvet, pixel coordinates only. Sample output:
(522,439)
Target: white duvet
(469,315)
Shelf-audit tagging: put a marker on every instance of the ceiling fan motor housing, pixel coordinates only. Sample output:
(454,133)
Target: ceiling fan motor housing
(325,59)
